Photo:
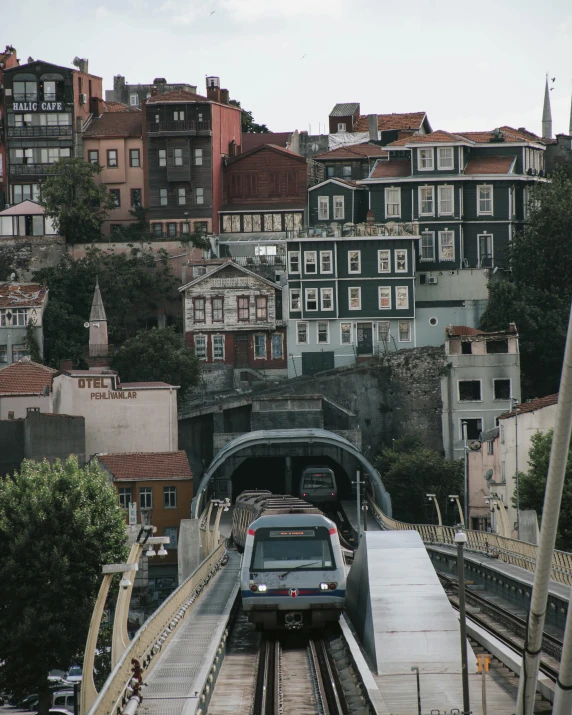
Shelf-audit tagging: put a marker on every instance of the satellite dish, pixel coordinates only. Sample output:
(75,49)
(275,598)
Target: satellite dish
(475,445)
(86,325)
(489,475)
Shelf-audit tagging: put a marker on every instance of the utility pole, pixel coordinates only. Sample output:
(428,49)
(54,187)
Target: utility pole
(460,539)
(358,483)
(466,480)
(514,402)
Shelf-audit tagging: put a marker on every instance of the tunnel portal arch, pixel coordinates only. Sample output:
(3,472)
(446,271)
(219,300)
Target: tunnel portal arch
(292,436)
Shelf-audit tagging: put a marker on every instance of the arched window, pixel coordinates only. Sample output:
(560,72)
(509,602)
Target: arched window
(52,87)
(25,87)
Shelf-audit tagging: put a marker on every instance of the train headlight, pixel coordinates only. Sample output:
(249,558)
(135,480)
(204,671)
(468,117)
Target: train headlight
(324,587)
(262,587)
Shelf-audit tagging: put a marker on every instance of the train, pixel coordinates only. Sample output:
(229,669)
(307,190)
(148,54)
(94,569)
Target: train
(292,573)
(318,485)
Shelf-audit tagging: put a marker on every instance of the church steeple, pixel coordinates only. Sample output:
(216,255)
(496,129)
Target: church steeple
(546,114)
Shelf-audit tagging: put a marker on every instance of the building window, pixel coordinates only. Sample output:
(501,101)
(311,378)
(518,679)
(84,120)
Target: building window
(485,250)
(402,297)
(310,258)
(163,197)
(112,158)
(181,196)
(354,261)
(200,195)
(201,347)
(25,192)
(425,159)
(277,222)
(171,532)
(218,347)
(243,308)
(136,198)
(124,497)
(347,172)
(145,497)
(294,299)
(501,389)
(383,261)
(311,299)
(485,200)
(3,354)
(338,208)
(157,229)
(19,352)
(19,317)
(428,246)
(134,158)
(93,156)
(445,157)
(218,309)
(445,200)
(162,157)
(251,184)
(354,296)
(404,327)
(277,346)
(346,333)
(469,390)
(323,208)
(490,447)
(426,200)
(384,297)
(261,307)
(171,230)
(401,261)
(474,429)
(301,333)
(383,331)
(177,157)
(170,497)
(179,116)
(323,332)
(260,347)
(134,100)
(327,298)
(393,203)
(116,196)
(199,310)
(341,126)
(325,261)
(446,246)
(198,157)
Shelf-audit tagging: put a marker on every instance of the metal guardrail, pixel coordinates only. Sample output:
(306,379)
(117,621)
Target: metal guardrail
(511,551)
(154,635)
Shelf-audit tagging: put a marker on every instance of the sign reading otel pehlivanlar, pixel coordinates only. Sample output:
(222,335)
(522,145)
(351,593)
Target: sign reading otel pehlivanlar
(101,383)
(38,106)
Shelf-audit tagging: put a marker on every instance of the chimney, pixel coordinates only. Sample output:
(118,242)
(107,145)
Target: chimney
(224,96)
(213,89)
(154,91)
(372,126)
(66,365)
(96,106)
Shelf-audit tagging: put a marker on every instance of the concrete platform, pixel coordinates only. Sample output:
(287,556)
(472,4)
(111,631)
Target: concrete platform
(178,677)
(399,608)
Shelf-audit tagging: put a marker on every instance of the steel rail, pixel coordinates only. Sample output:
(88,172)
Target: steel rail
(331,693)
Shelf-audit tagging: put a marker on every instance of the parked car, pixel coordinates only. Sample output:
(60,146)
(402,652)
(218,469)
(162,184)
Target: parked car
(74,674)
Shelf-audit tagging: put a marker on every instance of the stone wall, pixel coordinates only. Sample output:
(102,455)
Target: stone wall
(23,255)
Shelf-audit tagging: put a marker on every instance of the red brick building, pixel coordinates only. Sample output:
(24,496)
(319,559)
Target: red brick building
(8,59)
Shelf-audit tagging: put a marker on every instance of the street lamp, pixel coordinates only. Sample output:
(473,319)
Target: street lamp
(514,405)
(455,498)
(466,478)
(433,497)
(460,539)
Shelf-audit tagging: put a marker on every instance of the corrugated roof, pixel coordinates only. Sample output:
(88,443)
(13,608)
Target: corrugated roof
(345,109)
(352,151)
(22,295)
(390,169)
(116,124)
(388,122)
(490,165)
(147,466)
(25,378)
(531,406)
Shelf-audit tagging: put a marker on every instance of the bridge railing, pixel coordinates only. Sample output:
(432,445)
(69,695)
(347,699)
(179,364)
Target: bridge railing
(511,551)
(154,635)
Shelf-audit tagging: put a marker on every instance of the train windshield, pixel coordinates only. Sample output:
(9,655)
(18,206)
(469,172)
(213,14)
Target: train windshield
(303,549)
(319,480)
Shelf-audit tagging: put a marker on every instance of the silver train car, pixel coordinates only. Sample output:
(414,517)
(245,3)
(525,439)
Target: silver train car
(292,573)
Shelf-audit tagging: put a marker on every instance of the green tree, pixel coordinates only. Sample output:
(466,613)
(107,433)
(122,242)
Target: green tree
(538,294)
(410,471)
(132,287)
(158,355)
(58,525)
(248,125)
(533,485)
(32,344)
(73,200)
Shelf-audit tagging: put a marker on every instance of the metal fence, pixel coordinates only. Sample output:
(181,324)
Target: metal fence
(511,551)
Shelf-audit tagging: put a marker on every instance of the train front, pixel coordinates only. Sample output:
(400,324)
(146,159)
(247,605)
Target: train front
(293,573)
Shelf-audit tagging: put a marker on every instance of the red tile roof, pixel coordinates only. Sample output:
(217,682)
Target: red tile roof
(389,169)
(531,406)
(177,95)
(22,295)
(116,124)
(25,378)
(490,165)
(488,137)
(147,466)
(118,107)
(252,141)
(438,136)
(354,151)
(387,122)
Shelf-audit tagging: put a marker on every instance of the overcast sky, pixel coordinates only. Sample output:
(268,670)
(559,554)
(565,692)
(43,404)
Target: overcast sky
(470,66)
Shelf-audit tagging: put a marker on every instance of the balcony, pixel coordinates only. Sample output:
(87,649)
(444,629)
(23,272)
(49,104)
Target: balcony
(54,131)
(259,260)
(31,169)
(186,127)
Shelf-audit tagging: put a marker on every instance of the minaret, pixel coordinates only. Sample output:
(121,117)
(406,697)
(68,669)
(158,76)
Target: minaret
(98,342)
(546,114)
